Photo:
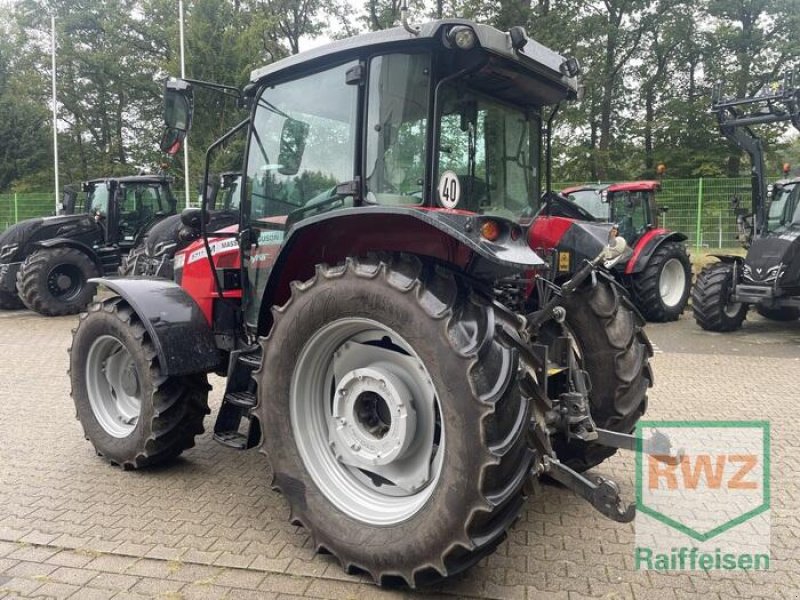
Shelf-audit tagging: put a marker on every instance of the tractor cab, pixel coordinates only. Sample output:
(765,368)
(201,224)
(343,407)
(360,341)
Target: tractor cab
(632,207)
(443,125)
(784,206)
(125,207)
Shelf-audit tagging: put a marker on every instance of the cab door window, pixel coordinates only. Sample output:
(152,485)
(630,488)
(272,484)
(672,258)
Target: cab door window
(302,144)
(397,128)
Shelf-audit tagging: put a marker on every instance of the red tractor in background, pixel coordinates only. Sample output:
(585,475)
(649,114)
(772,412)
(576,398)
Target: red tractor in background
(658,273)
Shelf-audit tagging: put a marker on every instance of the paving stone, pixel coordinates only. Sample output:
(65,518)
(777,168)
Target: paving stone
(209,522)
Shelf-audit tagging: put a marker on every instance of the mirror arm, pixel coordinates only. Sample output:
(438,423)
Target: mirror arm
(204,202)
(228,90)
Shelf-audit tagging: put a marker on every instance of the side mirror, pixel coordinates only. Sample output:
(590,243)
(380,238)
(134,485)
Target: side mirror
(193,217)
(172,141)
(293,144)
(178,105)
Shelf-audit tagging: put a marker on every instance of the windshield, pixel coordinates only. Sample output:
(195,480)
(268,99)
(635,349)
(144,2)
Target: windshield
(784,210)
(488,154)
(591,201)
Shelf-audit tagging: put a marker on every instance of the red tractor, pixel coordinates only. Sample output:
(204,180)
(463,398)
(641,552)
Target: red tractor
(658,273)
(389,339)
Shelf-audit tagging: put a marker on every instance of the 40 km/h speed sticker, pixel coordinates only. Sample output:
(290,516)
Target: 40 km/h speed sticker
(449,189)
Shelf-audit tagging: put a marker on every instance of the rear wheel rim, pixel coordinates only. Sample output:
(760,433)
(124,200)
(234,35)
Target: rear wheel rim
(366,420)
(114,386)
(65,282)
(672,282)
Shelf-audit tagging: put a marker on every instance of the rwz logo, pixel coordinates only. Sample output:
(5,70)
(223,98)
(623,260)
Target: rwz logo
(720,481)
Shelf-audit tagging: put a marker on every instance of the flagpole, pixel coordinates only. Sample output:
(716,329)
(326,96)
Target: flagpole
(55,109)
(183,76)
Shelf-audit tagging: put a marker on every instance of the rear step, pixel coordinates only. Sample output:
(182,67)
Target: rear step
(238,402)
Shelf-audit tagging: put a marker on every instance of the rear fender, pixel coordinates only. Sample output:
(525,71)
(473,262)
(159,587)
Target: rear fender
(180,333)
(448,237)
(647,245)
(70,243)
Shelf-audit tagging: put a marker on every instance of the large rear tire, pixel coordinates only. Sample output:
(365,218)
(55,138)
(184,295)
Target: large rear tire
(784,313)
(133,415)
(661,290)
(55,281)
(711,304)
(615,352)
(10,301)
(128,264)
(393,419)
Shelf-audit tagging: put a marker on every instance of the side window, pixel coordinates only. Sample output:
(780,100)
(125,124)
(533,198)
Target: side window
(302,147)
(98,200)
(138,206)
(629,211)
(397,125)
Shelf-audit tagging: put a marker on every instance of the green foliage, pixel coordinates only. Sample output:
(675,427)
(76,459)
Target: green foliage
(648,71)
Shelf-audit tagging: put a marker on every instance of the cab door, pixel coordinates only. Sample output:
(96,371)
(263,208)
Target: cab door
(302,144)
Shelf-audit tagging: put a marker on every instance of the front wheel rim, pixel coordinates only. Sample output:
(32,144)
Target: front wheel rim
(672,282)
(366,421)
(114,386)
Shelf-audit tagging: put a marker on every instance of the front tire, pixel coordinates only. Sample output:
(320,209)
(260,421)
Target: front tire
(133,415)
(711,304)
(615,352)
(369,344)
(55,281)
(661,290)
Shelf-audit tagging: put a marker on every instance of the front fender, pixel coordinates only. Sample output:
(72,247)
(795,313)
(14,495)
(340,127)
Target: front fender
(179,331)
(730,259)
(647,246)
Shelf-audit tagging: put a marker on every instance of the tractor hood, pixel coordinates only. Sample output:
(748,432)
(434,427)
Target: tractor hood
(776,257)
(163,236)
(15,241)
(576,241)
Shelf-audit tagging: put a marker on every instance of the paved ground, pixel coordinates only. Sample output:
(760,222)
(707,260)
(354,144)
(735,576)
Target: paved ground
(209,526)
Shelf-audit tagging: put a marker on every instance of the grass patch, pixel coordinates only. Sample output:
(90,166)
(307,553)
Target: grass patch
(703,256)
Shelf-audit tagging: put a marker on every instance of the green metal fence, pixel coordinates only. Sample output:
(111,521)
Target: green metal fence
(700,208)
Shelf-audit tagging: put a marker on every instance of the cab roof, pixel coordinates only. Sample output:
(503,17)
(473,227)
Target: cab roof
(532,57)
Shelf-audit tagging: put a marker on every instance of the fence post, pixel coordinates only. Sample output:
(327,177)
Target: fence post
(16,209)
(699,229)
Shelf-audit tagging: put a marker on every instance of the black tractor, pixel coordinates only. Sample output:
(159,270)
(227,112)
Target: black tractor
(768,277)
(46,263)
(155,251)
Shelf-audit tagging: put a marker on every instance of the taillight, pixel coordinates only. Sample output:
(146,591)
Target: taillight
(490,230)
